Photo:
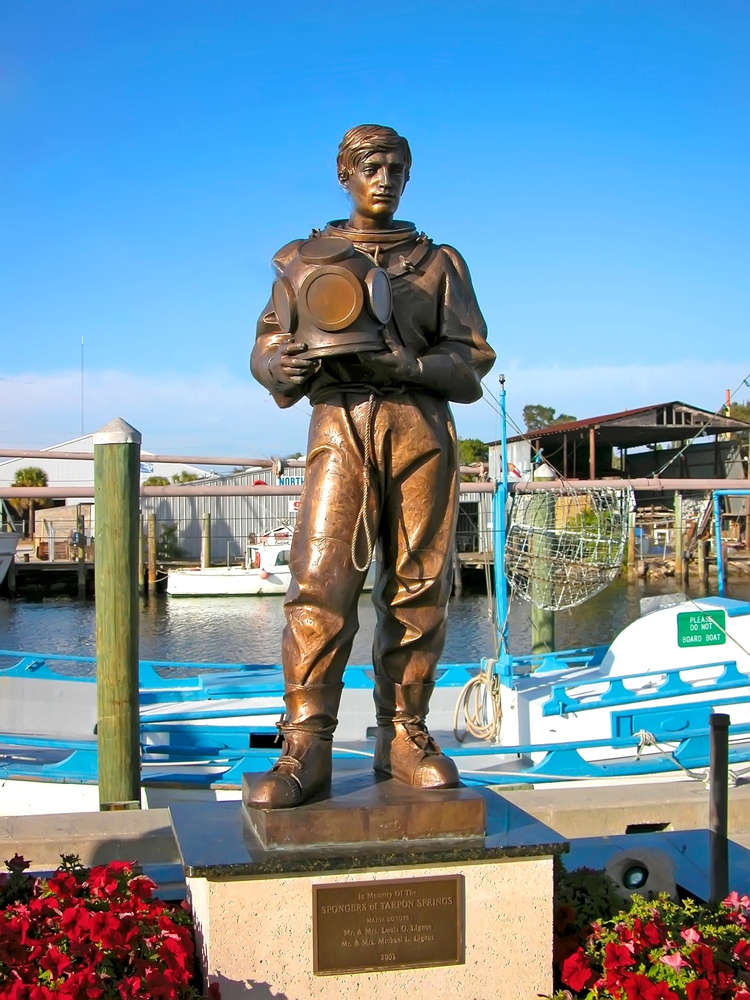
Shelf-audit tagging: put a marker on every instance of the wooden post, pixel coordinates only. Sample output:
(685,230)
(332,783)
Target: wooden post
(565,456)
(679,569)
(151,544)
(206,541)
(592,453)
(141,573)
(542,517)
(703,563)
(11,578)
(458,583)
(81,553)
(632,571)
(117,449)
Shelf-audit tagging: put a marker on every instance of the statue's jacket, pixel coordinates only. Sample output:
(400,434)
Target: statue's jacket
(435,313)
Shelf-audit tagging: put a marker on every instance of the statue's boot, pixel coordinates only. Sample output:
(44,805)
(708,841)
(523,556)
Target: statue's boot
(304,768)
(405,750)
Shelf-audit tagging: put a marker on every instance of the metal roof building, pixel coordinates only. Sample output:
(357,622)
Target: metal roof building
(585,449)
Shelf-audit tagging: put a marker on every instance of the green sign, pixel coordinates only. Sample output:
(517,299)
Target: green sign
(701,628)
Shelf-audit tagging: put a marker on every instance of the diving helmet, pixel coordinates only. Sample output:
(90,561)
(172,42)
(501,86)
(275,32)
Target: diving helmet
(333,298)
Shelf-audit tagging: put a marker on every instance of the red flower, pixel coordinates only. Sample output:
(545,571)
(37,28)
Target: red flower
(617,956)
(576,971)
(699,989)
(663,992)
(654,934)
(639,987)
(742,953)
(702,958)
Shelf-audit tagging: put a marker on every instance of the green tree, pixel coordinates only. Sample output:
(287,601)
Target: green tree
(184,477)
(31,476)
(537,416)
(155,481)
(472,450)
(740,411)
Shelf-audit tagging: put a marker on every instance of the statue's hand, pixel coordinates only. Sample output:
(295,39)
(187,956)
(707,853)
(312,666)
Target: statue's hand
(285,368)
(398,364)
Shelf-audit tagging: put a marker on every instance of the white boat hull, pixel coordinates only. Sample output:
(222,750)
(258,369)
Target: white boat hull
(234,581)
(226,581)
(8,544)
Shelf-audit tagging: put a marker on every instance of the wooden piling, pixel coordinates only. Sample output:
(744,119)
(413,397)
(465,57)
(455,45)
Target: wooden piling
(458,583)
(206,541)
(116,487)
(141,570)
(632,569)
(542,516)
(151,546)
(703,562)
(11,578)
(81,554)
(679,569)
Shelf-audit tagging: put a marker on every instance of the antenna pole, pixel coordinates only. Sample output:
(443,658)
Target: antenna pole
(82,432)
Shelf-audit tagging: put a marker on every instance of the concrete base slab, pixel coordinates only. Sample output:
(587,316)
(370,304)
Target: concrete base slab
(256,936)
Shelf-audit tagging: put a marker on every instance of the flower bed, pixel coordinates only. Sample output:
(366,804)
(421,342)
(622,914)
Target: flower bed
(85,934)
(654,950)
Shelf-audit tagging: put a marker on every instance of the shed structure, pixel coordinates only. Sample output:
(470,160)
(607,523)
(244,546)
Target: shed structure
(624,445)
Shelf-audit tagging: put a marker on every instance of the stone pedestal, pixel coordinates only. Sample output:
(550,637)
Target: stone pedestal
(444,915)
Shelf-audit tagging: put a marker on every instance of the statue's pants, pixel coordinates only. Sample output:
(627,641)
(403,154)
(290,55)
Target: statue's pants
(412,510)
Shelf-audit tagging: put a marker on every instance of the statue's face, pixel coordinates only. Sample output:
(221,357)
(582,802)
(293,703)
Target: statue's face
(377,184)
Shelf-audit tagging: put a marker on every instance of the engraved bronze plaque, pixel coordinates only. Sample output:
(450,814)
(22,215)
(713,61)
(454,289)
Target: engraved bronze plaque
(378,926)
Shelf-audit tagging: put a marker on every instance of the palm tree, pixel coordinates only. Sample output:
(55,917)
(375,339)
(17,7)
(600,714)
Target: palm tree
(32,475)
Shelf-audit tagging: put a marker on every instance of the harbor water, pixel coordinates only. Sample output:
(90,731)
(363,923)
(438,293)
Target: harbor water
(248,630)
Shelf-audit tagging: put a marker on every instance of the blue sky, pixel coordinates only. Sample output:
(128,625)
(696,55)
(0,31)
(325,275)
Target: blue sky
(589,159)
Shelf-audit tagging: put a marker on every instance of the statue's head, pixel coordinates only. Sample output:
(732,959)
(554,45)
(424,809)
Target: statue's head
(373,165)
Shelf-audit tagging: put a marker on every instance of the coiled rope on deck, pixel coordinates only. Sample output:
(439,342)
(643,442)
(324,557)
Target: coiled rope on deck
(480,706)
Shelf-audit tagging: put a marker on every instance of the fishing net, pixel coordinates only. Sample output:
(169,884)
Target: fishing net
(565,544)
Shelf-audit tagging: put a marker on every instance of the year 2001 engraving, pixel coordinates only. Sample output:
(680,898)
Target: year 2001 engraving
(375,926)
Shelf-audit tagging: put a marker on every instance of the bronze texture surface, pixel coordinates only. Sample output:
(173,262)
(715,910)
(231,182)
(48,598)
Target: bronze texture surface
(382,463)
(369,813)
(385,925)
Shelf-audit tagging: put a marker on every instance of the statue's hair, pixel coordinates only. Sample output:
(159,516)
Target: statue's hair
(362,140)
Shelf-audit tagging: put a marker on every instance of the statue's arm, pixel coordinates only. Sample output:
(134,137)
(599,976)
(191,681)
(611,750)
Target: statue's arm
(263,360)
(461,356)
(270,361)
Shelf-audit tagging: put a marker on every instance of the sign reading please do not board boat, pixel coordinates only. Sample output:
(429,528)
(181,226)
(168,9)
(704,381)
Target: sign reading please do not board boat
(701,628)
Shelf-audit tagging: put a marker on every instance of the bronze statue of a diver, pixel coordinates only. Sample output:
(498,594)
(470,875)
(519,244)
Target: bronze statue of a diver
(380,328)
